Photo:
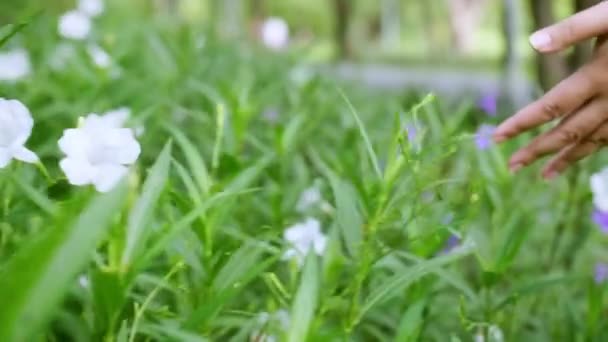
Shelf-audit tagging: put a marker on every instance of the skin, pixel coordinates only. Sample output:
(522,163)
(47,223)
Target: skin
(579,104)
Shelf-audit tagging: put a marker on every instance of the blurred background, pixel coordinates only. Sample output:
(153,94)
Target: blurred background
(234,82)
(447,46)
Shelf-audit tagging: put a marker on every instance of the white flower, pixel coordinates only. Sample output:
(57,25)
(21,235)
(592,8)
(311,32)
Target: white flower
(98,152)
(303,237)
(99,56)
(309,198)
(14,65)
(75,25)
(275,33)
(118,117)
(279,320)
(599,187)
(15,128)
(92,8)
(282,317)
(61,56)
(495,334)
(83,281)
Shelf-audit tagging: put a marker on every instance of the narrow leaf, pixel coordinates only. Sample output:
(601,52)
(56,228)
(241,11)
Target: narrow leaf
(349,218)
(401,281)
(36,278)
(368,143)
(144,207)
(305,303)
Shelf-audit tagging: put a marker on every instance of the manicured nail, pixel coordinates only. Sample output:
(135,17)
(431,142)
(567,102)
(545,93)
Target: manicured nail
(514,168)
(541,41)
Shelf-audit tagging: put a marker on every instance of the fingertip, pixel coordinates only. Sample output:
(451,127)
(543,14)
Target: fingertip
(541,41)
(550,173)
(519,158)
(516,167)
(499,138)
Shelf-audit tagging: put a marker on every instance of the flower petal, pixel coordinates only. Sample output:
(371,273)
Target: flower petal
(25,155)
(15,123)
(319,244)
(75,25)
(129,148)
(107,176)
(78,171)
(117,118)
(5,158)
(74,143)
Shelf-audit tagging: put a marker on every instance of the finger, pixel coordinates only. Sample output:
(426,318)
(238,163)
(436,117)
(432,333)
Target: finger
(570,131)
(563,99)
(575,152)
(586,24)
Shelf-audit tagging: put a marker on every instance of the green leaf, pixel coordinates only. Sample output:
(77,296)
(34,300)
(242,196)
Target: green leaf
(245,258)
(350,222)
(305,302)
(36,197)
(184,223)
(368,143)
(513,242)
(539,285)
(9,31)
(36,278)
(109,295)
(167,332)
(411,322)
(231,287)
(144,207)
(401,281)
(249,175)
(195,162)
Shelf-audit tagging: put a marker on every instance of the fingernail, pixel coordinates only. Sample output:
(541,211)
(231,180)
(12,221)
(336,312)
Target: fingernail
(514,168)
(541,41)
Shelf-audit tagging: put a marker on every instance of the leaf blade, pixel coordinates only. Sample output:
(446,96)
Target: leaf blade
(39,274)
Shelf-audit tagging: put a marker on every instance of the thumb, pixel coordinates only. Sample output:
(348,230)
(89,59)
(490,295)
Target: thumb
(587,24)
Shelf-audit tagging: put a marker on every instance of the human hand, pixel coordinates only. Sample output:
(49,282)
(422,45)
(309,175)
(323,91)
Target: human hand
(580,101)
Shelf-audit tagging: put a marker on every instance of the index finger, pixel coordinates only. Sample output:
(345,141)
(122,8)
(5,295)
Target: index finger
(564,98)
(586,24)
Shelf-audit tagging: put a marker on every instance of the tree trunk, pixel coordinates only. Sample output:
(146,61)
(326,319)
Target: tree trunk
(342,12)
(582,52)
(390,24)
(257,12)
(512,62)
(551,68)
(227,17)
(465,16)
(431,29)
(258,8)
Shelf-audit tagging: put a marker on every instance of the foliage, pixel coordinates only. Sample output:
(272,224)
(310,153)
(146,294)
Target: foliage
(190,247)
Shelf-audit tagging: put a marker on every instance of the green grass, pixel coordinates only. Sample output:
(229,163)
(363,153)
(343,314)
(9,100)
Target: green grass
(189,247)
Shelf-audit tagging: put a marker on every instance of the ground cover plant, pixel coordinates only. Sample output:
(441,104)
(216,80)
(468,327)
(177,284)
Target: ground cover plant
(158,184)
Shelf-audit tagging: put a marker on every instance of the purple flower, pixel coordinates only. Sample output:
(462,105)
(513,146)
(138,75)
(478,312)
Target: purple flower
(483,137)
(601,219)
(427,196)
(271,115)
(452,242)
(448,219)
(489,104)
(601,272)
(412,132)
